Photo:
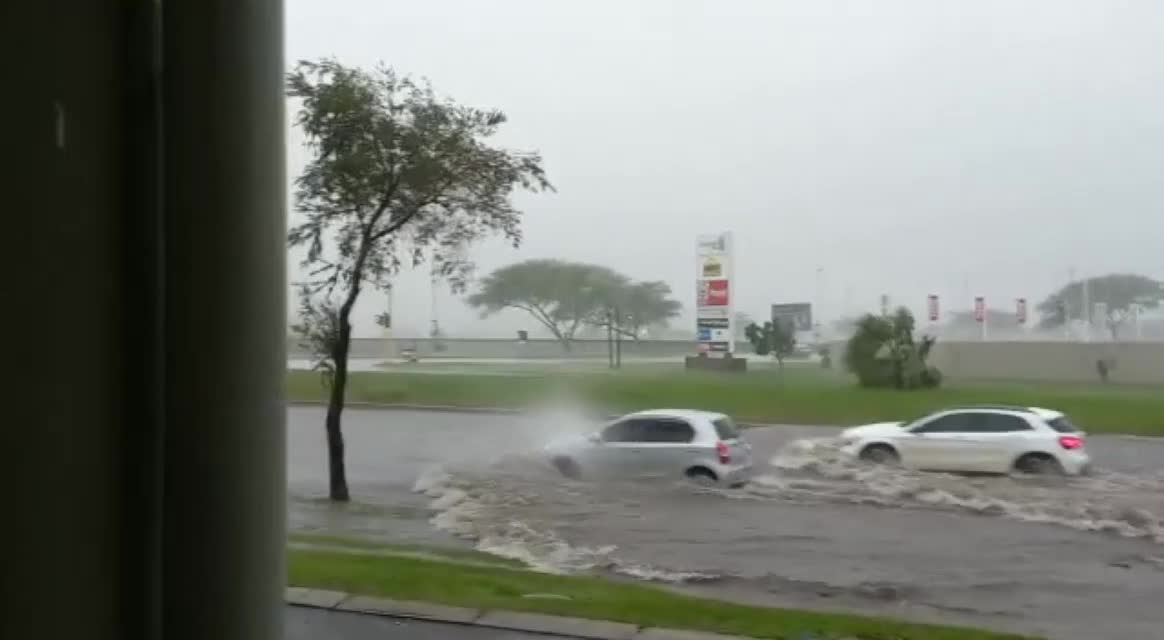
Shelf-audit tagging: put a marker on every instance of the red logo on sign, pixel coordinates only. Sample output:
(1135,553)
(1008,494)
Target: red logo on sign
(1020,310)
(980,309)
(933,308)
(713,293)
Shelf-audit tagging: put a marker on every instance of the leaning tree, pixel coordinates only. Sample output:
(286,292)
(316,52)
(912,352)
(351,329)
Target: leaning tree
(398,176)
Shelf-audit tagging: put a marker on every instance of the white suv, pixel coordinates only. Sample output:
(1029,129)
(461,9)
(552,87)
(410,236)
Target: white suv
(977,439)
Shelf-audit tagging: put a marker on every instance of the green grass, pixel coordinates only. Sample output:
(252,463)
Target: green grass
(799,396)
(408,578)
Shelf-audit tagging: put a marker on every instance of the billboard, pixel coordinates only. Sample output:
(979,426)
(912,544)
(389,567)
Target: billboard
(980,309)
(1020,310)
(713,293)
(932,307)
(796,314)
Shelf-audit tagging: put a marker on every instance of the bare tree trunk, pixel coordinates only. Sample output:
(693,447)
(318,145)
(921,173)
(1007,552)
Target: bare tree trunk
(337,474)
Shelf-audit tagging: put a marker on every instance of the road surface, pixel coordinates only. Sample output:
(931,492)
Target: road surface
(303,623)
(1071,559)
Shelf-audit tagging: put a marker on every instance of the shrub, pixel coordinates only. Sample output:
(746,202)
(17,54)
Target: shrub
(882,353)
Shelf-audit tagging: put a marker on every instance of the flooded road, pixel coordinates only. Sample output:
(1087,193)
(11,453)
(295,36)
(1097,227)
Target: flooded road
(1068,558)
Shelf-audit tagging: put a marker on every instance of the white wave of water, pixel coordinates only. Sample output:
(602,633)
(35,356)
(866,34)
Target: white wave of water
(470,507)
(1123,504)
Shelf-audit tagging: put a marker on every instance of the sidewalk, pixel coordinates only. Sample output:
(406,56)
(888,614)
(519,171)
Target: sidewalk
(535,623)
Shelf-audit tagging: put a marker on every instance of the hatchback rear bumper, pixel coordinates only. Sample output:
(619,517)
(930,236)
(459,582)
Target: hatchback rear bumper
(735,475)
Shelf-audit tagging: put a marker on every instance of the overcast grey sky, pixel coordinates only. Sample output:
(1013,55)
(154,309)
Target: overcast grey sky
(960,148)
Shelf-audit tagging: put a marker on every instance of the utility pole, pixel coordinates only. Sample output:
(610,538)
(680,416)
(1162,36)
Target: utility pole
(617,339)
(819,294)
(1086,292)
(1066,305)
(609,339)
(435,330)
(389,352)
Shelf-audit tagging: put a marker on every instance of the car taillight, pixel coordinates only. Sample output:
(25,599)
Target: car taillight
(1071,442)
(725,454)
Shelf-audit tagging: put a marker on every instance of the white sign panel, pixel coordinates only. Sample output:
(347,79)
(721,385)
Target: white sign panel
(714,293)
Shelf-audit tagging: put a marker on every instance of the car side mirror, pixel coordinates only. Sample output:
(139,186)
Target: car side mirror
(594,438)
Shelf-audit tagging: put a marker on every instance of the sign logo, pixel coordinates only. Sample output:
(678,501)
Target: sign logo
(712,244)
(704,334)
(712,268)
(713,293)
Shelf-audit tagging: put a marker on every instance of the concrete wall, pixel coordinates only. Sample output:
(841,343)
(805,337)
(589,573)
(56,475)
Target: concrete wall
(1134,362)
(502,348)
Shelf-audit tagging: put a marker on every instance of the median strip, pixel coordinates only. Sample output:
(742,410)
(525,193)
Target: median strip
(802,398)
(581,606)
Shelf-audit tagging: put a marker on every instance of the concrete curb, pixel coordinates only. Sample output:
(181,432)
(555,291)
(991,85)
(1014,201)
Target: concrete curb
(508,620)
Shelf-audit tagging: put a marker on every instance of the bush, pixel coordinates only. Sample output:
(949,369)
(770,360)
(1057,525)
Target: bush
(882,353)
(931,377)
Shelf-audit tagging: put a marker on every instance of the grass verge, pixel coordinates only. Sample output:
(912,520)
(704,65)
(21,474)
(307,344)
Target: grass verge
(374,547)
(796,397)
(481,587)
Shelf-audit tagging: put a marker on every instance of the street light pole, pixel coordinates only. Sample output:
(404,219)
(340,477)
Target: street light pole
(819,303)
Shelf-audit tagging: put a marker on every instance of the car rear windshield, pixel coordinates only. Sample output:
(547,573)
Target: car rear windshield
(1062,425)
(726,429)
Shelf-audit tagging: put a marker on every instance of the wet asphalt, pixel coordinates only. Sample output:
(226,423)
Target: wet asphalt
(1066,558)
(303,623)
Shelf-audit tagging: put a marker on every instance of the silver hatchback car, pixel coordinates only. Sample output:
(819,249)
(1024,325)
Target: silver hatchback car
(703,446)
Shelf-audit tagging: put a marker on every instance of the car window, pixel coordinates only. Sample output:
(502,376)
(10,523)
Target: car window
(1003,423)
(663,430)
(1062,425)
(624,431)
(950,423)
(726,428)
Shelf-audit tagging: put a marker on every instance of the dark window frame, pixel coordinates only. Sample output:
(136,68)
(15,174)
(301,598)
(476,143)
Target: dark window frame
(660,421)
(924,427)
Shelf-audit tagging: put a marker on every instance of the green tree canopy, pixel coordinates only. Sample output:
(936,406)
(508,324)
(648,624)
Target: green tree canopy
(1118,292)
(397,175)
(639,306)
(566,296)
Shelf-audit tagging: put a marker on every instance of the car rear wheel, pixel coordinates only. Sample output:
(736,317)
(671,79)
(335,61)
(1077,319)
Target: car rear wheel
(880,454)
(1038,464)
(567,467)
(702,476)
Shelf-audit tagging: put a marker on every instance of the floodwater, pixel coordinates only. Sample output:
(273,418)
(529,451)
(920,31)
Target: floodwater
(1074,559)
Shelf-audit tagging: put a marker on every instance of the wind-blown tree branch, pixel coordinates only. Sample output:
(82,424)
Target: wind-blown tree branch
(561,296)
(398,174)
(1117,291)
